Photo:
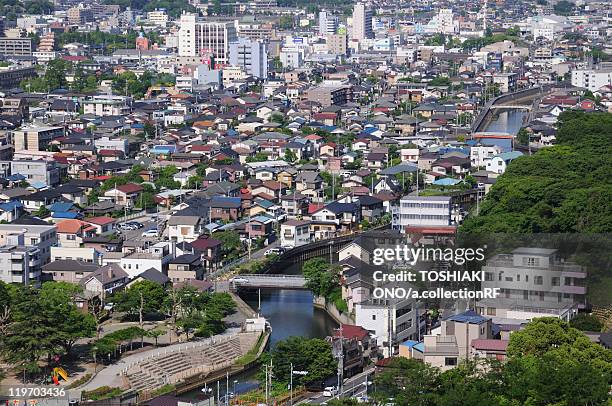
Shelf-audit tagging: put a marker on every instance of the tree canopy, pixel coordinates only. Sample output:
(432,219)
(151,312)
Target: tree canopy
(549,363)
(564,188)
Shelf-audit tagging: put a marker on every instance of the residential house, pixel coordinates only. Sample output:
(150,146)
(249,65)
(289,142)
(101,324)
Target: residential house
(295,233)
(124,195)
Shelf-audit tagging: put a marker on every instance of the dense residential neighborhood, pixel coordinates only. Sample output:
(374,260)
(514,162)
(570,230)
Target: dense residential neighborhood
(207,203)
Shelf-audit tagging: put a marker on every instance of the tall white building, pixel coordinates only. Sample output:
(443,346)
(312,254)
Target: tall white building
(592,79)
(362,22)
(328,24)
(198,37)
(534,282)
(422,211)
(251,55)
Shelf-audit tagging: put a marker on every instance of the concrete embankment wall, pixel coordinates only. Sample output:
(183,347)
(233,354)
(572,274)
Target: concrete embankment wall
(333,312)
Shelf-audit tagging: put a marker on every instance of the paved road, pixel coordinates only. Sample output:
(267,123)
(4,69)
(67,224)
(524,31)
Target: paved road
(352,387)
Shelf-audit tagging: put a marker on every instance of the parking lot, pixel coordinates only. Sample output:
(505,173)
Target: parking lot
(147,224)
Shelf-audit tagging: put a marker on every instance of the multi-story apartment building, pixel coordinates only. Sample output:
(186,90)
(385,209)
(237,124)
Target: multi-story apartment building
(337,44)
(198,36)
(20,264)
(592,79)
(80,15)
(35,138)
(11,77)
(328,23)
(533,282)
(42,237)
(251,55)
(256,32)
(330,94)
(107,105)
(421,211)
(158,17)
(15,46)
(34,171)
(362,22)
(392,321)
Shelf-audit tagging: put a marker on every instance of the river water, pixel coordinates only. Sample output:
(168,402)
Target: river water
(506,121)
(290,313)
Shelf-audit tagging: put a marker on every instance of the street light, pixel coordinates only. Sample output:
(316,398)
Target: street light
(234,387)
(291,382)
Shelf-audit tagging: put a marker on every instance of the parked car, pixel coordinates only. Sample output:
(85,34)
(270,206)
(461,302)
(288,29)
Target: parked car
(330,391)
(151,233)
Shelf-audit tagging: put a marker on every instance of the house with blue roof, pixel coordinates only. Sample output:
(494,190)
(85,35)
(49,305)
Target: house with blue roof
(11,211)
(499,163)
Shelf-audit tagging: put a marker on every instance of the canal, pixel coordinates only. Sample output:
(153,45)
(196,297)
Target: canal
(506,121)
(290,313)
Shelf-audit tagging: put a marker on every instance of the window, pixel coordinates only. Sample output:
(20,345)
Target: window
(538,280)
(555,281)
(373,317)
(491,311)
(489,276)
(450,361)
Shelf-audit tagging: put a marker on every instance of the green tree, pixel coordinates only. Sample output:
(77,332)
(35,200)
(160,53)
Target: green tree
(564,7)
(408,381)
(290,156)
(140,299)
(231,244)
(42,212)
(71,324)
(321,278)
(586,322)
(286,22)
(313,355)
(55,75)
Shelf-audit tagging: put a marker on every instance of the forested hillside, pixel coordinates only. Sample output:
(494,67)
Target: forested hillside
(563,189)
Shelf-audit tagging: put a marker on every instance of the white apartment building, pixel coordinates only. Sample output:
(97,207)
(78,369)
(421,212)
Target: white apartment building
(198,37)
(328,23)
(534,282)
(42,237)
(392,321)
(592,79)
(114,144)
(158,17)
(292,56)
(107,105)
(479,154)
(20,264)
(421,211)
(250,55)
(362,22)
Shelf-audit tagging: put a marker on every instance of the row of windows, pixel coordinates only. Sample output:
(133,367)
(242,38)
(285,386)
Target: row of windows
(423,216)
(426,205)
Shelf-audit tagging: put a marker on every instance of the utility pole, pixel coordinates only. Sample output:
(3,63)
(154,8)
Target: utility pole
(340,364)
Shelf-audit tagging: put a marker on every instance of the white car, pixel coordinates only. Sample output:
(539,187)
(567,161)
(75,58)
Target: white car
(330,391)
(238,279)
(277,251)
(150,233)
